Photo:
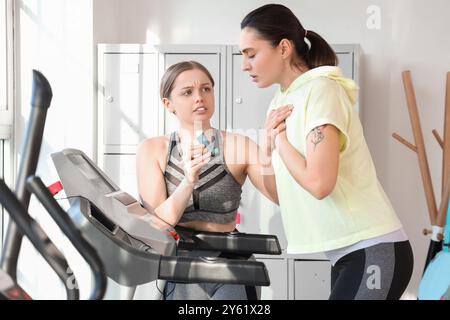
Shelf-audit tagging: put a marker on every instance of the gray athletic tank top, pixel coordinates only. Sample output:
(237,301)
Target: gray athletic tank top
(217,194)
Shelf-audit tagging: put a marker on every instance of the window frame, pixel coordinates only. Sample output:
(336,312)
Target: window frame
(7,157)
(6,115)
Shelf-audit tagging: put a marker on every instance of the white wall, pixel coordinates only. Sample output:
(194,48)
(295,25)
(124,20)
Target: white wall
(413,35)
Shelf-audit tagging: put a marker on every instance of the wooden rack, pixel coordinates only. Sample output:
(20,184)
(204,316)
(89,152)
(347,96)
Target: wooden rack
(437,217)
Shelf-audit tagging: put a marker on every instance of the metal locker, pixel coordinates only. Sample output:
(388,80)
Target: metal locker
(312,280)
(278,274)
(128,98)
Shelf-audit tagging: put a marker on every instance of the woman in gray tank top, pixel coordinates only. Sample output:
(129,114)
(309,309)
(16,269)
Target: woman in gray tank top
(198,185)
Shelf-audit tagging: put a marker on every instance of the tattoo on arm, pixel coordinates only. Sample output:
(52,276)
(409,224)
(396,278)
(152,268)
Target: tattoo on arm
(317,136)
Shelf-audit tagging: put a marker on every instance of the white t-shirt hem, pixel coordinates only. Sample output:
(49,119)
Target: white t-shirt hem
(395,236)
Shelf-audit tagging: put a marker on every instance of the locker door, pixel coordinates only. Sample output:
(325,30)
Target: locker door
(212,62)
(346,63)
(312,280)
(277,269)
(249,103)
(129,99)
(348,56)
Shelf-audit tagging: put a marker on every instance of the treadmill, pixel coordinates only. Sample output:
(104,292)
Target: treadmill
(137,247)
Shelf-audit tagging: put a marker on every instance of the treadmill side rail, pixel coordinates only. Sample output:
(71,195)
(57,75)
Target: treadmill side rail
(208,269)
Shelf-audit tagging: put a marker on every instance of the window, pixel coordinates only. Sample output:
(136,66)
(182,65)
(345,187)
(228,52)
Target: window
(3,93)
(5,67)
(6,110)
(3,59)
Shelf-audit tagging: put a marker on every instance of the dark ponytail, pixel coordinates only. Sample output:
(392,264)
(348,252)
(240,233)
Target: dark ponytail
(274,22)
(320,53)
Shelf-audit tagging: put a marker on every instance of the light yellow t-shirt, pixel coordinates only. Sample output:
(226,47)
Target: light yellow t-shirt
(358,208)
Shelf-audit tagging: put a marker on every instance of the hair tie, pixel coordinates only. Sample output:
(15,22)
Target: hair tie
(306,40)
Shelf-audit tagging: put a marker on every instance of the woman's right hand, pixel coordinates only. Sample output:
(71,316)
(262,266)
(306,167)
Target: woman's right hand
(194,158)
(275,123)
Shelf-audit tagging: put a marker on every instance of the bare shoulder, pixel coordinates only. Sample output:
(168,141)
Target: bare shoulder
(153,144)
(154,148)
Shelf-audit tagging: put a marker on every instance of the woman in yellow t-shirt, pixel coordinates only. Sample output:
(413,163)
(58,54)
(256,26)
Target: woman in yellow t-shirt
(330,198)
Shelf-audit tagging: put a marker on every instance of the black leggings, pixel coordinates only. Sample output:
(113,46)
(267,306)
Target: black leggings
(380,272)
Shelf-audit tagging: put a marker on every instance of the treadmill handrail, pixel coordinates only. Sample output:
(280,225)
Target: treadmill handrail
(87,251)
(32,230)
(41,98)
